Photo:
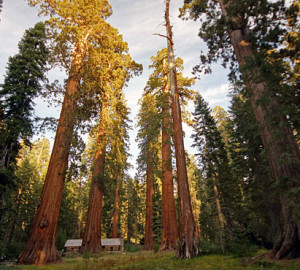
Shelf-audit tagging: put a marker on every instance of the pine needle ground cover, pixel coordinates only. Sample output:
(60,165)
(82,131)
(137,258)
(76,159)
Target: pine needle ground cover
(165,260)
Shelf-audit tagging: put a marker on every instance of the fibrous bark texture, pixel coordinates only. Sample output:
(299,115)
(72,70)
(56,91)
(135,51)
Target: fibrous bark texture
(282,149)
(188,240)
(40,247)
(168,211)
(91,240)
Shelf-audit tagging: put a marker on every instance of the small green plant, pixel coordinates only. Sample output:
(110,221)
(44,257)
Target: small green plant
(132,248)
(156,248)
(206,248)
(86,255)
(241,248)
(266,264)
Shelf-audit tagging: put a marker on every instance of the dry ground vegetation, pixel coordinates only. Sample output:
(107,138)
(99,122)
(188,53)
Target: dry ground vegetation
(160,260)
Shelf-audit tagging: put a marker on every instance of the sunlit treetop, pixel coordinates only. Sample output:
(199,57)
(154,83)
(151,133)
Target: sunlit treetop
(79,21)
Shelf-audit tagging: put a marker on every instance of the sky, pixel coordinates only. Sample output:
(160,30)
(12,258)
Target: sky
(138,21)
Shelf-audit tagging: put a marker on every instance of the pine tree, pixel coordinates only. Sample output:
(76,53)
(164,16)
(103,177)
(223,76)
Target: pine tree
(215,165)
(247,32)
(259,209)
(29,172)
(22,83)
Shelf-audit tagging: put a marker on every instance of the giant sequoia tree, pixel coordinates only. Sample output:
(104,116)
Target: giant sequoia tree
(188,242)
(246,32)
(158,85)
(79,35)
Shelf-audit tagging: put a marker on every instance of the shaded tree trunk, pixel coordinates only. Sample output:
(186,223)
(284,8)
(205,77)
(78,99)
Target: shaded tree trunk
(115,220)
(168,211)
(220,216)
(40,247)
(188,240)
(149,234)
(91,240)
(282,149)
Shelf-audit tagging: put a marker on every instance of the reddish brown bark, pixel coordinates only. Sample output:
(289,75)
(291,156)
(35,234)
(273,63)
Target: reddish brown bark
(188,240)
(149,234)
(115,219)
(40,247)
(168,211)
(91,240)
(282,149)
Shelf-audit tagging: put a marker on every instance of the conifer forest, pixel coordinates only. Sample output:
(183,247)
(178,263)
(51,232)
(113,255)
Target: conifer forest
(160,160)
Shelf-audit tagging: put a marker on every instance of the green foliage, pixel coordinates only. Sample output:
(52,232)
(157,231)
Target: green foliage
(22,83)
(216,181)
(241,247)
(132,247)
(157,229)
(18,212)
(132,210)
(158,84)
(258,210)
(206,248)
(61,239)
(262,22)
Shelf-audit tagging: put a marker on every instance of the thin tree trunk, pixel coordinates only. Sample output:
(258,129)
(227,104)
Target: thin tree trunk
(40,247)
(92,234)
(115,221)
(188,240)
(149,234)
(168,211)
(220,216)
(282,149)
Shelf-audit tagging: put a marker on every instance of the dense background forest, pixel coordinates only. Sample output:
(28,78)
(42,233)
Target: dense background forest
(234,190)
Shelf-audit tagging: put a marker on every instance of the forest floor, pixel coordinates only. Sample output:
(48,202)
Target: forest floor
(160,260)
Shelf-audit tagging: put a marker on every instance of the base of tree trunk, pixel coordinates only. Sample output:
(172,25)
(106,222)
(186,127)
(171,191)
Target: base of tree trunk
(287,245)
(39,254)
(167,246)
(92,248)
(184,252)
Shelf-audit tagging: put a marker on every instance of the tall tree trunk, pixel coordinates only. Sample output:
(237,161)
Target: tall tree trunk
(282,149)
(188,240)
(149,234)
(128,233)
(196,213)
(220,216)
(115,221)
(91,240)
(168,211)
(40,247)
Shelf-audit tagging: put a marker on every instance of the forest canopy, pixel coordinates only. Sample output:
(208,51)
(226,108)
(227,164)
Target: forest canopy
(144,148)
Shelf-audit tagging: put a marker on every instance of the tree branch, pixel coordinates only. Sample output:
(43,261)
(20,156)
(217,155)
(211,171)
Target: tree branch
(156,34)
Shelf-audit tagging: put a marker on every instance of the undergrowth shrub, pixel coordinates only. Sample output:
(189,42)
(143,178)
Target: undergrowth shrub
(206,247)
(132,247)
(241,248)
